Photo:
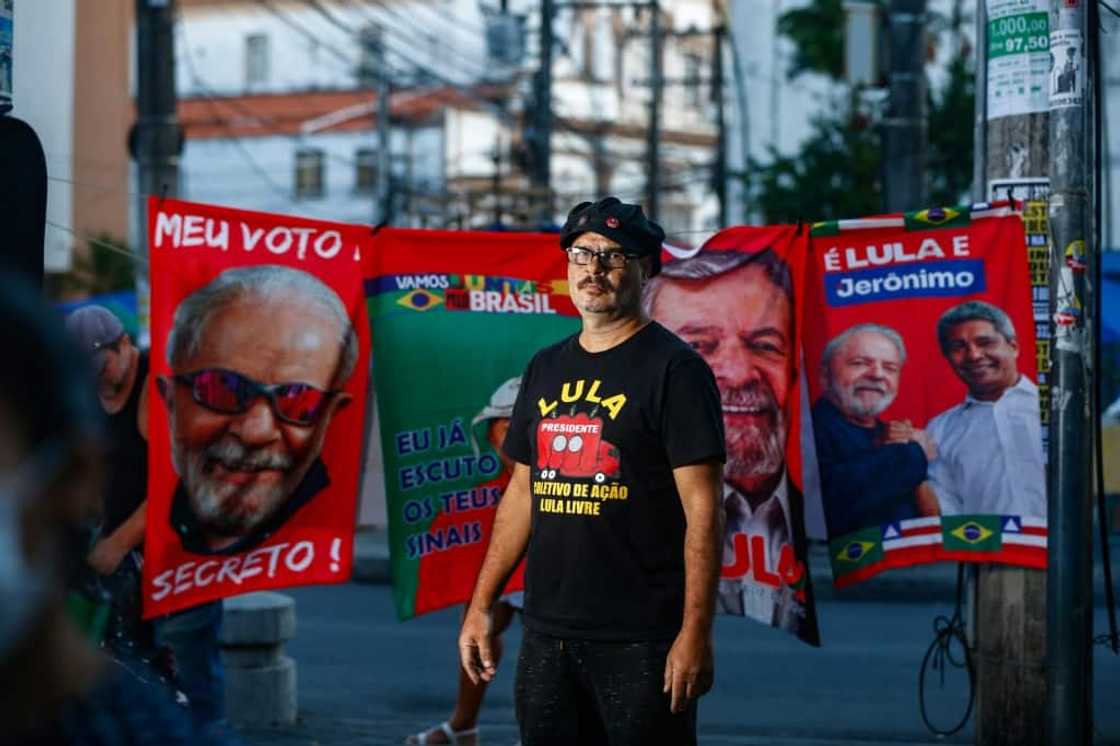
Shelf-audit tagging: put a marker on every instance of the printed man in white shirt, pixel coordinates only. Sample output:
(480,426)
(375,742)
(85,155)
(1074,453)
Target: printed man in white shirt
(990,445)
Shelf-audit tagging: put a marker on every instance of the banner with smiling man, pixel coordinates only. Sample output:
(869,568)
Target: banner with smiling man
(735,301)
(259,365)
(920,350)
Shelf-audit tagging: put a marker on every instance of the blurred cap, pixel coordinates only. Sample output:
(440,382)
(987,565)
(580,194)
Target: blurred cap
(94,328)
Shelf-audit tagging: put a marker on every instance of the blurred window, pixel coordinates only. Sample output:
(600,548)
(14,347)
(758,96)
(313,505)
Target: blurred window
(309,173)
(365,179)
(256,60)
(693,65)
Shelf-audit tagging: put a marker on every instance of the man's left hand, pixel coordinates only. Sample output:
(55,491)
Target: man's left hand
(106,556)
(689,669)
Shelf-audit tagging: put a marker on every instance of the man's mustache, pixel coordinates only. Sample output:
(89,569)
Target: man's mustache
(869,386)
(600,283)
(233,455)
(754,398)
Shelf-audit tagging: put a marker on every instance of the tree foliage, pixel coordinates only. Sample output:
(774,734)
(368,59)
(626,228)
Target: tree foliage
(817,31)
(835,175)
(104,267)
(837,172)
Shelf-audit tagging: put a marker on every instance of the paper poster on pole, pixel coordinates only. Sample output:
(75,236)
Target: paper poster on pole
(1067,72)
(920,345)
(256,402)
(1018,57)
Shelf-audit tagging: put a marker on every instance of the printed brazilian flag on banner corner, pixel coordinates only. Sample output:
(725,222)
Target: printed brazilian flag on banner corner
(856,551)
(938,217)
(455,317)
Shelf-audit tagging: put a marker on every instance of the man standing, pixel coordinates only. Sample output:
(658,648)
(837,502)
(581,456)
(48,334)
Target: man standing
(870,469)
(736,309)
(990,445)
(618,444)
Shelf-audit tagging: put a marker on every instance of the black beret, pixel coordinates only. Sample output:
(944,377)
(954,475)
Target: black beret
(623,223)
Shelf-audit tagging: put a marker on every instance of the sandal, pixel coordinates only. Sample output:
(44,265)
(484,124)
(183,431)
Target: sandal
(464,737)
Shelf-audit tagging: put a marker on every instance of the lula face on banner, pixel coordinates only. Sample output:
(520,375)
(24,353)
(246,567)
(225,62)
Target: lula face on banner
(253,440)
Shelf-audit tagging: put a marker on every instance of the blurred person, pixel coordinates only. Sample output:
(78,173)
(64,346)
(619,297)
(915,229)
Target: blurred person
(618,445)
(870,469)
(58,689)
(462,726)
(122,387)
(736,310)
(990,445)
(258,357)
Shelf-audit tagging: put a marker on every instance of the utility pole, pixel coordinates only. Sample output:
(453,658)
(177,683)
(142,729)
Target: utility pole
(157,140)
(904,156)
(653,131)
(719,170)
(541,140)
(1070,548)
(496,180)
(1012,161)
(383,208)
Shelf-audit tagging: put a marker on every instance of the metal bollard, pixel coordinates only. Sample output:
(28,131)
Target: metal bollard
(260,679)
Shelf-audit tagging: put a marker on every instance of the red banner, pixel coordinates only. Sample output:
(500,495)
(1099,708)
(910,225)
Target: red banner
(920,354)
(734,301)
(259,375)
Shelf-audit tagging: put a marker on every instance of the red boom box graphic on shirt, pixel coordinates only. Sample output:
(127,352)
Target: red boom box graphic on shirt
(573,446)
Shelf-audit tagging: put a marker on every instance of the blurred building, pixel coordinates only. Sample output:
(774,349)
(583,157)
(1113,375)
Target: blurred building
(279,104)
(70,70)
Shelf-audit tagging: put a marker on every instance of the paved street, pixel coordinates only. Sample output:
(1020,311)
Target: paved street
(364,678)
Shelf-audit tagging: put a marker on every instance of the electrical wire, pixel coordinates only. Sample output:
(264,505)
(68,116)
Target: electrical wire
(425,36)
(940,654)
(341,25)
(138,258)
(446,17)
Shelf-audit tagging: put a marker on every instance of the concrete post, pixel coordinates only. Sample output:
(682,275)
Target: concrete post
(260,679)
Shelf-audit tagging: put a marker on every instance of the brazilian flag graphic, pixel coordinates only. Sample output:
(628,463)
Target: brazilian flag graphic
(938,217)
(826,228)
(419,300)
(856,550)
(975,533)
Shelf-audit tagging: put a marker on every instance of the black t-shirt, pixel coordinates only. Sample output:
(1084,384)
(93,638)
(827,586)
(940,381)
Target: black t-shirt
(127,478)
(601,434)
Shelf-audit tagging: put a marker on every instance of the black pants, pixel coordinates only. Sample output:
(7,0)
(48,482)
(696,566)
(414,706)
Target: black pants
(584,692)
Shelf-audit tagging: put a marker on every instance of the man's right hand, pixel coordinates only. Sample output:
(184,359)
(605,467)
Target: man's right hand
(899,431)
(476,652)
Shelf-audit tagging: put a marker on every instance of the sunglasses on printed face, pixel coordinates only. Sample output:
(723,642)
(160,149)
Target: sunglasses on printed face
(229,392)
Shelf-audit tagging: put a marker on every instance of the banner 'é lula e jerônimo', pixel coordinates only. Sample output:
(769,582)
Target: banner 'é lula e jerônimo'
(259,372)
(925,404)
(455,318)
(734,301)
